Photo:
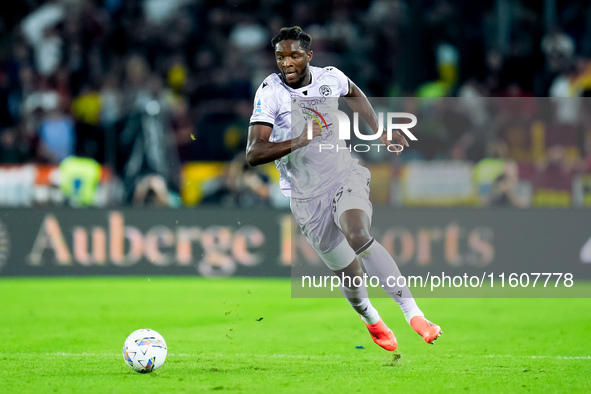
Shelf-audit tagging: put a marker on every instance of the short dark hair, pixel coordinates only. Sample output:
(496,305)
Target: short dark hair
(293,33)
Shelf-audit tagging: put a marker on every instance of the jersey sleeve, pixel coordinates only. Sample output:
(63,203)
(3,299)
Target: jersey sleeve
(342,80)
(266,107)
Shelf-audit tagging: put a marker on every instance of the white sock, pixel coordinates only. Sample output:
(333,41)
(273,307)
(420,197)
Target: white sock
(357,297)
(412,313)
(378,262)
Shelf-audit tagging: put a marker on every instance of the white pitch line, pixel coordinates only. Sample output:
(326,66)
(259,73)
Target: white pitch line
(296,356)
(534,357)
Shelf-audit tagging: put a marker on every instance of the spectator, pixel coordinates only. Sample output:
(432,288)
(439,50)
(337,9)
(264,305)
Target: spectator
(56,132)
(79,177)
(11,152)
(558,48)
(151,190)
(110,99)
(504,189)
(241,185)
(41,32)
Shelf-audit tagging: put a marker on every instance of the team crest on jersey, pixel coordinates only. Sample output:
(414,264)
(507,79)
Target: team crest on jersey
(325,90)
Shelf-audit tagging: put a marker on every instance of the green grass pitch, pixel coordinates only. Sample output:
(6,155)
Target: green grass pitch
(65,335)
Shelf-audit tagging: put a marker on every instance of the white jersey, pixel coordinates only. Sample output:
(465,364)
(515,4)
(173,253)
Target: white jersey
(306,172)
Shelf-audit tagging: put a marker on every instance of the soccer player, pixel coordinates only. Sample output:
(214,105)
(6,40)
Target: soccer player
(328,190)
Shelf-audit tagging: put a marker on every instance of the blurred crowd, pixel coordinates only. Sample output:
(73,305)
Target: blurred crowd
(145,86)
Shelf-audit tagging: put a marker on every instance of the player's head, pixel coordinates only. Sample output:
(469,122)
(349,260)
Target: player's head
(293,55)
(294,33)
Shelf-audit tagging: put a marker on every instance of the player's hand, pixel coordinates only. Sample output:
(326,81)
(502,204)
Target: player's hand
(397,141)
(303,139)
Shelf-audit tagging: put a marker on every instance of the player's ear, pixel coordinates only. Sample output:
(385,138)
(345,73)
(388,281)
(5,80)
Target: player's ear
(310,55)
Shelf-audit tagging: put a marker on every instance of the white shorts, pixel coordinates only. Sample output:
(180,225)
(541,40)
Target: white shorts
(318,217)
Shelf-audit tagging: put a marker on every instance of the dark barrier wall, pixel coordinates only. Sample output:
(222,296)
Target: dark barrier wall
(266,243)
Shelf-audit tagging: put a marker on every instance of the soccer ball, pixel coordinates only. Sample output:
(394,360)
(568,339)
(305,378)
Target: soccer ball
(144,350)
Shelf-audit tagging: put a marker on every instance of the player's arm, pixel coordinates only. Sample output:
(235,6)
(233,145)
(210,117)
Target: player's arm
(259,150)
(363,107)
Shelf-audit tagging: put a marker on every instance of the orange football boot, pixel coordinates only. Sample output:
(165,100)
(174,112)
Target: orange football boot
(429,331)
(382,335)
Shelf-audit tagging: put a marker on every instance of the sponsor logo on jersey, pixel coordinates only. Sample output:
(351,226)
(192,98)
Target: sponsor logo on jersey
(318,115)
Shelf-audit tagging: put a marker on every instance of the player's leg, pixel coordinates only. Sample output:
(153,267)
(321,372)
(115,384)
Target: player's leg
(352,276)
(351,286)
(355,225)
(317,224)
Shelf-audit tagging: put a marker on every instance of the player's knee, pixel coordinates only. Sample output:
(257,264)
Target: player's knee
(358,237)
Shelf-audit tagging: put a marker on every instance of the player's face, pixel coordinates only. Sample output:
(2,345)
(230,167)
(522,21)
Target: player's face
(293,62)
